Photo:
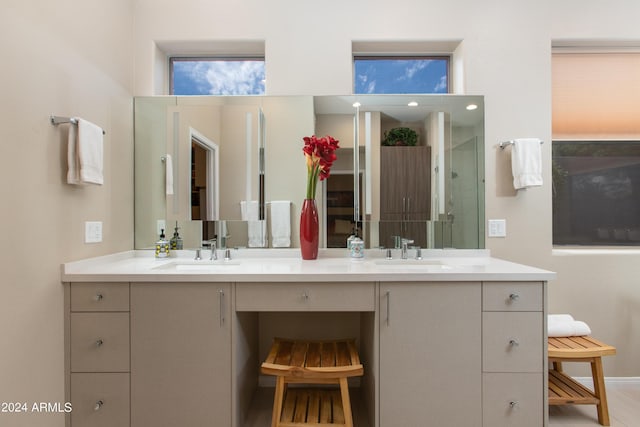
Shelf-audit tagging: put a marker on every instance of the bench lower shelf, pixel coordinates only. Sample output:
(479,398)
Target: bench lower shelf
(564,390)
(312,407)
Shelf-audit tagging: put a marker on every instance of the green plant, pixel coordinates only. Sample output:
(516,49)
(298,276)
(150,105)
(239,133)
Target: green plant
(400,136)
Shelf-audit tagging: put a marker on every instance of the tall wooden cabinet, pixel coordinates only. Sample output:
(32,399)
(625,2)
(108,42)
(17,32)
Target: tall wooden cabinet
(430,354)
(180,354)
(405,188)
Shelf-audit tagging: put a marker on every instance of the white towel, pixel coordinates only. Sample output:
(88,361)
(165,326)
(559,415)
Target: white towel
(526,162)
(281,223)
(90,152)
(168,165)
(256,229)
(564,325)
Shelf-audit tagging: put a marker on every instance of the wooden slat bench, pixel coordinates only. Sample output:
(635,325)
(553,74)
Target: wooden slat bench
(564,390)
(312,362)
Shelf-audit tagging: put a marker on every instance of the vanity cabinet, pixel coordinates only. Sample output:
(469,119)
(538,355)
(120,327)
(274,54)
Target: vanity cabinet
(513,354)
(430,354)
(405,188)
(438,350)
(98,354)
(180,354)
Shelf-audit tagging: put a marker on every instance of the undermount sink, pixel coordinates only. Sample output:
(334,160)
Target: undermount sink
(411,263)
(198,265)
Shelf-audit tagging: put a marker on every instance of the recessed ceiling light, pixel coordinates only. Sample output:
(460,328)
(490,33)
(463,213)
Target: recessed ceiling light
(356,104)
(471,107)
(412,104)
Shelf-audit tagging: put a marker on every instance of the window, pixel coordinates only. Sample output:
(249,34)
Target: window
(217,76)
(397,74)
(596,149)
(596,198)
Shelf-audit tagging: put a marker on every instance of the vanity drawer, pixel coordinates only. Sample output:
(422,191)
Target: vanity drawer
(100,400)
(315,296)
(99,297)
(99,342)
(512,296)
(512,400)
(512,342)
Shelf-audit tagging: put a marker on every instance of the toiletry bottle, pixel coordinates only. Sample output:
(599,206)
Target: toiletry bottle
(162,246)
(176,240)
(357,248)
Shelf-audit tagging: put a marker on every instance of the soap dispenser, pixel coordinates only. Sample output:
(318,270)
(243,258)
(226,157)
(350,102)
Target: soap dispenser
(162,246)
(176,240)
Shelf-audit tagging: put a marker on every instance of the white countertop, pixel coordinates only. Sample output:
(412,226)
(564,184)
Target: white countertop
(286,265)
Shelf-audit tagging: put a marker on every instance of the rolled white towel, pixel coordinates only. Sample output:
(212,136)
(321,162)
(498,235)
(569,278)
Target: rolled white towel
(564,325)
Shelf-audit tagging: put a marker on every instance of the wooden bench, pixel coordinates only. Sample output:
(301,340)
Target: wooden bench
(312,362)
(564,390)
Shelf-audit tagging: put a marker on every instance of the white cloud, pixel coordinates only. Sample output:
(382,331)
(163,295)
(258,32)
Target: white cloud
(442,84)
(228,77)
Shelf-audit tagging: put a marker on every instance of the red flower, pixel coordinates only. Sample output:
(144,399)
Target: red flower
(320,155)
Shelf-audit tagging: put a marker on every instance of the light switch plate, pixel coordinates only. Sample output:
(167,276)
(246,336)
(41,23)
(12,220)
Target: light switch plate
(497,228)
(93,232)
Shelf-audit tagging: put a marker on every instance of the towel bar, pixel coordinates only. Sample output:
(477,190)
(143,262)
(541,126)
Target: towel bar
(56,120)
(505,143)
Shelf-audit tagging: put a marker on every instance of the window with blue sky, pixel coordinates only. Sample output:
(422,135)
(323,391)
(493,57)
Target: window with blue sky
(382,75)
(202,76)
(246,76)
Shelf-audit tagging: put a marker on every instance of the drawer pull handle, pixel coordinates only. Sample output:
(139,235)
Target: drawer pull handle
(98,405)
(99,342)
(514,297)
(98,297)
(513,342)
(305,296)
(513,404)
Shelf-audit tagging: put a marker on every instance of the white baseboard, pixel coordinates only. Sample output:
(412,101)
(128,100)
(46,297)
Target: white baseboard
(588,381)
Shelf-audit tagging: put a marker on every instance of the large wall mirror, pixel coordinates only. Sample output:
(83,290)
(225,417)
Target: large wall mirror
(236,170)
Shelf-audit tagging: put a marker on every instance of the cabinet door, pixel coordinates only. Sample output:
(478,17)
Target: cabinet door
(180,354)
(392,180)
(417,182)
(430,354)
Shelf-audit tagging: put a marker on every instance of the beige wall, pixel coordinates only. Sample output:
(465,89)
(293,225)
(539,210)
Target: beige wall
(73,57)
(69,58)
(505,55)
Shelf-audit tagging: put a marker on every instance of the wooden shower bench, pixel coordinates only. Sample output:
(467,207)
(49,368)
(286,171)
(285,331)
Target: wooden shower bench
(312,362)
(564,390)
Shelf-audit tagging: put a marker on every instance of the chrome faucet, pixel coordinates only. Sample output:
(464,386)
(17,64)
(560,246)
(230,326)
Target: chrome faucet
(214,249)
(405,246)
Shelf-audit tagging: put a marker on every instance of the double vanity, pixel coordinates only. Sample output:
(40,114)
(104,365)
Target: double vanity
(457,338)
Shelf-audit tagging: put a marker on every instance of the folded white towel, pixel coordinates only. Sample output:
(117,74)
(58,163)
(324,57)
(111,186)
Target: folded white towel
(564,325)
(168,165)
(90,152)
(281,223)
(526,162)
(256,229)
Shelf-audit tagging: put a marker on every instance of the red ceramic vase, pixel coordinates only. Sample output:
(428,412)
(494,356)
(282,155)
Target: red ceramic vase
(309,229)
